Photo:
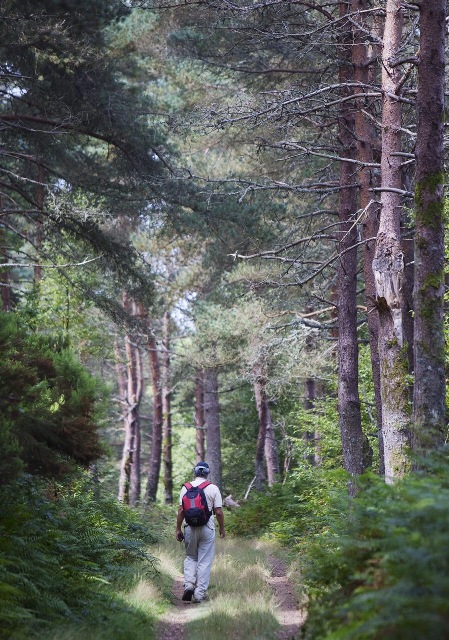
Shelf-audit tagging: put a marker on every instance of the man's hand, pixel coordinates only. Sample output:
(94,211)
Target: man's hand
(179,521)
(220,519)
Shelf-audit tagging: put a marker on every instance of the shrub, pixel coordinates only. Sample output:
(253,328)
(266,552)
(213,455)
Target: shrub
(62,552)
(381,568)
(289,511)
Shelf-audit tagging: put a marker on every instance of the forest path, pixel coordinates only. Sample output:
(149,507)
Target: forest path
(290,616)
(250,597)
(172,624)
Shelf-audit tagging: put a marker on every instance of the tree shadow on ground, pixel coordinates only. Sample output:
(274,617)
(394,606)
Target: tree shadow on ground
(240,625)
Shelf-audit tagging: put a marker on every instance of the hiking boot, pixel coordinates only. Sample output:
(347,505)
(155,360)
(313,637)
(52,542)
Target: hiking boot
(187,595)
(199,600)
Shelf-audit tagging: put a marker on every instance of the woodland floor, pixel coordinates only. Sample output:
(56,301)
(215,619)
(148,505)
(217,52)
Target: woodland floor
(290,616)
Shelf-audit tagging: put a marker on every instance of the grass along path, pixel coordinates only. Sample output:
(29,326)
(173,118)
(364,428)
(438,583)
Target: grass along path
(250,597)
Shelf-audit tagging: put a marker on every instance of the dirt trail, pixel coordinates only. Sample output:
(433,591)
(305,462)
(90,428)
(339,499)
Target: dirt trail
(172,625)
(289,616)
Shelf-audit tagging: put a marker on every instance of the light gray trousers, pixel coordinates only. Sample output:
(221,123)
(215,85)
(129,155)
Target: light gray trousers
(200,552)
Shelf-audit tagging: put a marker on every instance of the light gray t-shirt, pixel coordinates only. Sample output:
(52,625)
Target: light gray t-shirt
(212,493)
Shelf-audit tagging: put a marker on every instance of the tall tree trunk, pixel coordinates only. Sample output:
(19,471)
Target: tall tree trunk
(348,395)
(166,410)
(266,448)
(5,285)
(4,273)
(368,178)
(388,264)
(129,482)
(309,436)
(120,377)
(271,449)
(429,390)
(313,437)
(199,415)
(156,435)
(40,196)
(408,323)
(261,404)
(212,417)
(137,386)
(124,478)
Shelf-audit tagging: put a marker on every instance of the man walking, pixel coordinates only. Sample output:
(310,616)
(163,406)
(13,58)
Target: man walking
(198,501)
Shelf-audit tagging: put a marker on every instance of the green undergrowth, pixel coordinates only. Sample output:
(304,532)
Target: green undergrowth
(372,567)
(73,565)
(288,512)
(380,569)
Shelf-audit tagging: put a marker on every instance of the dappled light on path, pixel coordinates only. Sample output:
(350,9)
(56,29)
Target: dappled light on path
(173,623)
(249,598)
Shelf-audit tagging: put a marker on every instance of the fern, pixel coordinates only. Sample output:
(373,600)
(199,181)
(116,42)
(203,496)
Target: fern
(380,569)
(61,558)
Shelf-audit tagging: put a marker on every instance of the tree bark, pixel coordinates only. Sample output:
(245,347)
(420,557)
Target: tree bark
(123,485)
(271,449)
(137,386)
(368,178)
(388,264)
(261,404)
(40,197)
(348,395)
(408,323)
(312,437)
(4,273)
(429,348)
(199,415)
(266,448)
(212,417)
(166,410)
(132,388)
(154,468)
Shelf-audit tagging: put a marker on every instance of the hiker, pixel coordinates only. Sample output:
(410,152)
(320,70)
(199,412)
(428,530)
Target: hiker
(198,501)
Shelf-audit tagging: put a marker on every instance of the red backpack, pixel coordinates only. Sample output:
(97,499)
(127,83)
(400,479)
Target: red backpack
(194,504)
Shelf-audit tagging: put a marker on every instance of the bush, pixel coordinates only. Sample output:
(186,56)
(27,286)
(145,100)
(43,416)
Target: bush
(289,511)
(381,568)
(62,552)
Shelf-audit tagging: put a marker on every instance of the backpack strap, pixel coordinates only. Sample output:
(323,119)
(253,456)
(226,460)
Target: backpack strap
(202,486)
(187,485)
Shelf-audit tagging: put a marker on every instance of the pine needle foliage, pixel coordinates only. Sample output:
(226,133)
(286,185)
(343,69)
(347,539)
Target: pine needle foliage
(48,405)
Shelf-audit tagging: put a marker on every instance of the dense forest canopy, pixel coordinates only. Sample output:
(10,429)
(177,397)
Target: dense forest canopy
(222,238)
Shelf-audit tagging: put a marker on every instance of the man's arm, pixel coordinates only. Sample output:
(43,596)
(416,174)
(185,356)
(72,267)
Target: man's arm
(220,520)
(179,519)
